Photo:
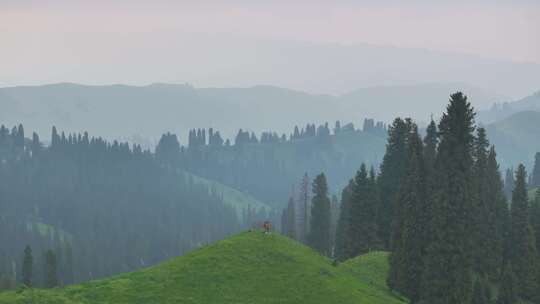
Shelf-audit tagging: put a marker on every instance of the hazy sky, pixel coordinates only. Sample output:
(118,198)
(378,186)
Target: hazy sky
(49,41)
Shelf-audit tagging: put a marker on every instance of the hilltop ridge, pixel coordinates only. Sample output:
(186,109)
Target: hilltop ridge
(246,268)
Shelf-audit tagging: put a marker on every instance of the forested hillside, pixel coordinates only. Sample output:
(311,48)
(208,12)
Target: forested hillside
(269,166)
(99,208)
(157,108)
(516,138)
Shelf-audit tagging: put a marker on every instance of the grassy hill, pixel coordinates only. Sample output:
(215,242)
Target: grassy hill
(246,268)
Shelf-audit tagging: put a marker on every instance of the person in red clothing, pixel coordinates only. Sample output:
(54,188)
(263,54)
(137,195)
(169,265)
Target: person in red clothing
(266,227)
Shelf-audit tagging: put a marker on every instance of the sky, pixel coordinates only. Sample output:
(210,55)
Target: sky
(77,41)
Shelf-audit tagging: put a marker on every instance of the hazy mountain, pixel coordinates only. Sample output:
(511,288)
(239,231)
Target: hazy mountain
(139,112)
(221,60)
(503,110)
(516,138)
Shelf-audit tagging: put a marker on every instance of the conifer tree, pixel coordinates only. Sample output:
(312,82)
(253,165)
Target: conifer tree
(319,235)
(51,276)
(507,287)
(409,239)
(523,255)
(535,182)
(509,183)
(447,275)
(362,232)
(535,219)
(343,222)
(498,219)
(27,266)
(485,259)
(391,171)
(479,294)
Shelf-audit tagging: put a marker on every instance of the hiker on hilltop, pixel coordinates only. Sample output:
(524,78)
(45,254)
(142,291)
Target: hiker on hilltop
(266,227)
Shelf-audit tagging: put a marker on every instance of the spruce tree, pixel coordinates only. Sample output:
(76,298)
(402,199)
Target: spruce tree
(535,221)
(479,294)
(490,209)
(535,182)
(27,265)
(498,219)
(51,268)
(343,223)
(319,235)
(481,213)
(409,239)
(391,172)
(507,287)
(362,232)
(447,276)
(509,183)
(523,255)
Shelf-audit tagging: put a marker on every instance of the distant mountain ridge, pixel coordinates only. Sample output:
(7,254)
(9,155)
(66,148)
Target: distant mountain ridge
(122,111)
(516,138)
(500,111)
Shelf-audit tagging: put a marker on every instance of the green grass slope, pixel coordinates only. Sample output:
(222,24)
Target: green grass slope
(246,268)
(231,196)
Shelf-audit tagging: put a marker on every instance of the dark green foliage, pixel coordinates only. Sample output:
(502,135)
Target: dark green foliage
(490,210)
(508,287)
(535,220)
(497,219)
(535,181)
(27,267)
(362,230)
(447,276)
(343,223)
(103,207)
(523,255)
(51,267)
(392,170)
(410,226)
(479,293)
(509,183)
(319,235)
(288,220)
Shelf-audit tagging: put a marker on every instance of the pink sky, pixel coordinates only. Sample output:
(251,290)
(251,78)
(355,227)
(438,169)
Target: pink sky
(33,34)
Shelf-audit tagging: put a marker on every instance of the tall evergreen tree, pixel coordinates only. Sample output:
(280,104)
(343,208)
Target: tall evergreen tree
(391,172)
(51,269)
(523,255)
(479,295)
(319,235)
(27,265)
(509,183)
(343,223)
(535,182)
(507,287)
(409,239)
(497,217)
(447,277)
(489,208)
(535,219)
(361,231)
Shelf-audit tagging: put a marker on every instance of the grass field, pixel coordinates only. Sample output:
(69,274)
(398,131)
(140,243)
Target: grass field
(246,268)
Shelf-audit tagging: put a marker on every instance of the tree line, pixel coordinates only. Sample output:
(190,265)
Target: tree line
(438,204)
(85,208)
